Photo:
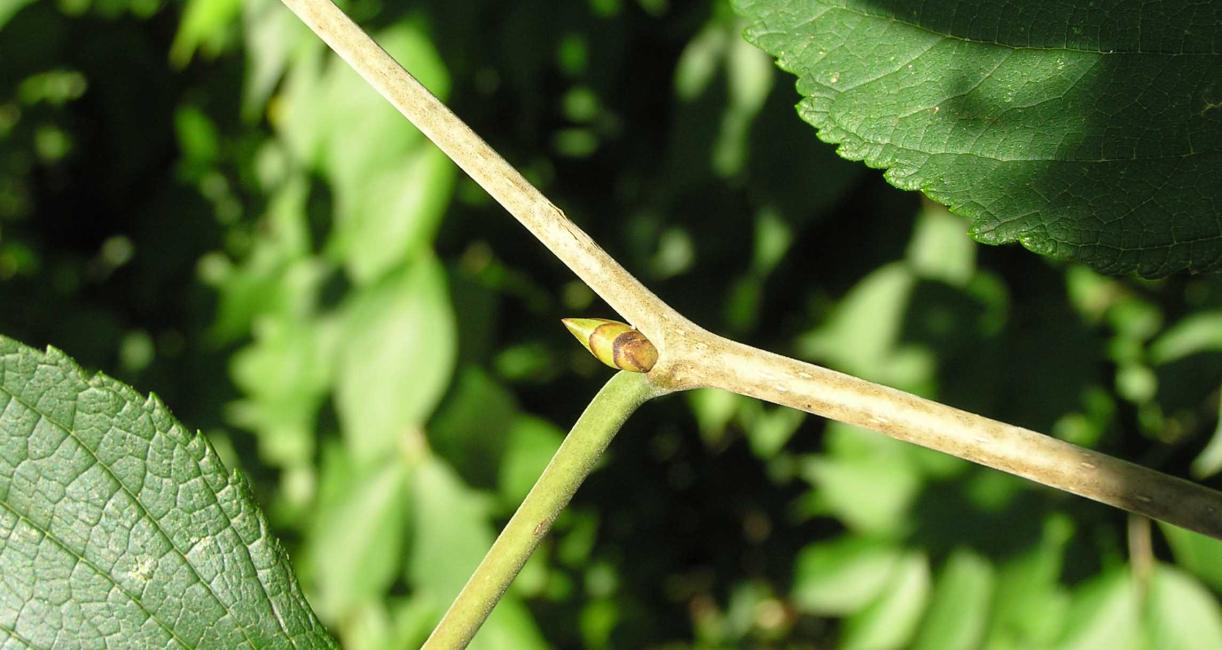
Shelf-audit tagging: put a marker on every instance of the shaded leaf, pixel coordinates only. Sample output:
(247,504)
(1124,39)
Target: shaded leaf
(1089,133)
(471,427)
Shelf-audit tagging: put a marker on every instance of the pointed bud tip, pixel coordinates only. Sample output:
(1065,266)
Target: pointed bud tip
(615,344)
(583,328)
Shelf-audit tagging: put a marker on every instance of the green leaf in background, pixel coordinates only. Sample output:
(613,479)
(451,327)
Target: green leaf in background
(1029,604)
(1088,133)
(866,479)
(1181,613)
(355,547)
(451,536)
(204,26)
(396,358)
(391,185)
(891,620)
(768,429)
(842,576)
(285,373)
(1104,615)
(118,523)
(1199,332)
(471,427)
(532,443)
(278,278)
(1198,554)
(271,34)
(959,607)
(862,336)
(713,409)
(10,7)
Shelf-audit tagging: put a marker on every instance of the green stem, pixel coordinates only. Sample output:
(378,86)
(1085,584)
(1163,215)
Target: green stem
(570,466)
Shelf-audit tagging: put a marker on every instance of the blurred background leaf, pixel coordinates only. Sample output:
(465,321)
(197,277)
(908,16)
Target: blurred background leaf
(199,199)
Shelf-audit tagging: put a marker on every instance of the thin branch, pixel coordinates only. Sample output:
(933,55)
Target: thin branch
(581,449)
(690,357)
(1035,456)
(484,165)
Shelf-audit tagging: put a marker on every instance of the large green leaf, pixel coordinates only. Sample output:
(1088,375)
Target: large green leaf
(1084,131)
(117,523)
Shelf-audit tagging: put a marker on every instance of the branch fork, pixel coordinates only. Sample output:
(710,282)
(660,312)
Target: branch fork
(691,357)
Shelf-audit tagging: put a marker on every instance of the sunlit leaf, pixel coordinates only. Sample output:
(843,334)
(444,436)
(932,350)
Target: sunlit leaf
(1181,613)
(205,25)
(390,184)
(532,443)
(1196,553)
(9,8)
(356,543)
(891,620)
(868,480)
(451,536)
(1104,615)
(271,35)
(1199,332)
(842,576)
(1029,604)
(285,374)
(959,607)
(118,523)
(278,277)
(396,357)
(863,335)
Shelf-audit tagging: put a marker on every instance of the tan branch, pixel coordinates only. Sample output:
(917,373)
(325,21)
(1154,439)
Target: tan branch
(690,356)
